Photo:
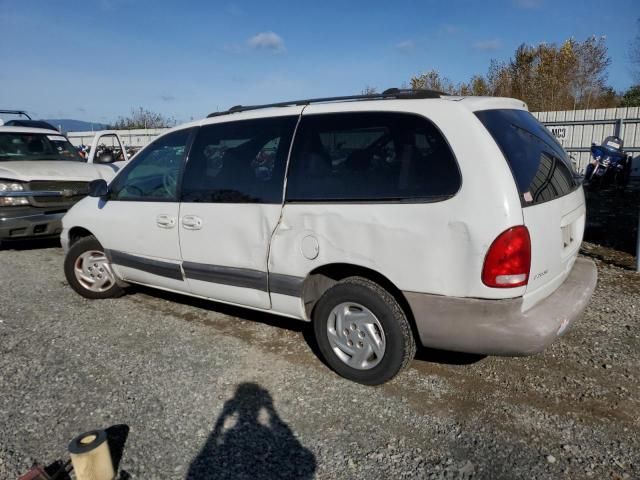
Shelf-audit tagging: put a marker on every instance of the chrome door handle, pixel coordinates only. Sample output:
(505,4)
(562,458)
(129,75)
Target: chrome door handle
(191,222)
(165,221)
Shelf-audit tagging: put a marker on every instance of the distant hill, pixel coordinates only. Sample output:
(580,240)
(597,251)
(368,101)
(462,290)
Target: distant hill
(69,125)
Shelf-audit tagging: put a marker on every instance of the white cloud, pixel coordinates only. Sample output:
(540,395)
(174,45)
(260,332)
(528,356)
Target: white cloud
(406,46)
(487,45)
(269,41)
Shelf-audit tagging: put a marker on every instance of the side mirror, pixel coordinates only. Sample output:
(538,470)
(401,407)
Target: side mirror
(98,188)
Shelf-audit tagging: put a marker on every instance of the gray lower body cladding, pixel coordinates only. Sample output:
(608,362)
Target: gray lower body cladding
(237,277)
(500,327)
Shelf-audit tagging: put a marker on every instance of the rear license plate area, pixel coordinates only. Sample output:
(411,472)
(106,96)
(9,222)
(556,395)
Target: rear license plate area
(568,237)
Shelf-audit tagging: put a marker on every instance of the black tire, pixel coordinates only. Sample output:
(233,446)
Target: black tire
(82,246)
(400,343)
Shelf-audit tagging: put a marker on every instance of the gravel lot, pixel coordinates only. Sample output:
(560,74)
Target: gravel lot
(209,391)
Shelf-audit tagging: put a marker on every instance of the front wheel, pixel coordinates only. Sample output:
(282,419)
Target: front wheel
(89,271)
(362,332)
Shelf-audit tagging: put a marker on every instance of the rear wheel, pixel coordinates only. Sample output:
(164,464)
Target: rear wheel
(362,332)
(89,271)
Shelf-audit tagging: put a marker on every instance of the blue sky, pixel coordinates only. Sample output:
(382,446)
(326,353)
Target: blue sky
(95,60)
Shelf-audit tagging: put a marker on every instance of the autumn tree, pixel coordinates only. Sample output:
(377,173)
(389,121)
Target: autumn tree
(499,79)
(432,80)
(547,77)
(478,85)
(590,75)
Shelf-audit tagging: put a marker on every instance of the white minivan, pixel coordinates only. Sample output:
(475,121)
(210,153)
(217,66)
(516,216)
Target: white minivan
(386,220)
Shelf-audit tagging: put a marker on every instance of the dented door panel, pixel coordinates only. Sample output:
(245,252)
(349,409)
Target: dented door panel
(436,247)
(226,258)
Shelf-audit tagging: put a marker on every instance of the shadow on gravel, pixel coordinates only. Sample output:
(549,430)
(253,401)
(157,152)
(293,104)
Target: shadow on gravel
(250,441)
(223,308)
(612,216)
(423,354)
(117,438)
(305,328)
(30,244)
(447,357)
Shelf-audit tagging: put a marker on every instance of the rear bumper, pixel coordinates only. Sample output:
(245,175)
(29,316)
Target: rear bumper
(500,327)
(28,224)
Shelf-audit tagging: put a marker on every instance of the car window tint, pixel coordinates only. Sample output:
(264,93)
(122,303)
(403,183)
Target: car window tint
(153,174)
(371,156)
(540,167)
(239,162)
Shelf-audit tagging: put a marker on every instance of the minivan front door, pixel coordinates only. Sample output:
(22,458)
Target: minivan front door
(231,201)
(140,218)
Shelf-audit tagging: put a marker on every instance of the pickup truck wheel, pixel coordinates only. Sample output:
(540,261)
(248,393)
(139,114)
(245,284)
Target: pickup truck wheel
(362,332)
(89,272)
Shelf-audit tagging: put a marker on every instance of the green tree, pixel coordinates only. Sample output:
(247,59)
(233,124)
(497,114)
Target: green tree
(631,98)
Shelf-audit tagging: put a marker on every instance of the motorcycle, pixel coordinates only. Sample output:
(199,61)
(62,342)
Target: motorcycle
(610,164)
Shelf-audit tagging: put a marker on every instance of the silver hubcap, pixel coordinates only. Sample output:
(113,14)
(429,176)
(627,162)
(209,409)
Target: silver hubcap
(93,271)
(356,336)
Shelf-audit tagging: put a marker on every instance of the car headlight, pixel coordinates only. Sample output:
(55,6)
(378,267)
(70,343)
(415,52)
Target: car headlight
(11,187)
(8,187)
(13,201)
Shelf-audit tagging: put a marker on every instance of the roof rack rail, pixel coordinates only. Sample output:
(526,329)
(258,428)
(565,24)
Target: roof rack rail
(16,112)
(396,93)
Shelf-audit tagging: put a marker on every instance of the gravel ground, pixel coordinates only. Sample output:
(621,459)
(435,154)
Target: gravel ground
(208,391)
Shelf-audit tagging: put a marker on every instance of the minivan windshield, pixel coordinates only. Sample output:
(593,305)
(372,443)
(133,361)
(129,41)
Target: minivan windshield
(540,166)
(18,146)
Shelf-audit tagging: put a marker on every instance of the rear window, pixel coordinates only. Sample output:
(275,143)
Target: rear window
(541,168)
(371,156)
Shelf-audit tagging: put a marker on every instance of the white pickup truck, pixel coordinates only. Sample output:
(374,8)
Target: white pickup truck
(42,175)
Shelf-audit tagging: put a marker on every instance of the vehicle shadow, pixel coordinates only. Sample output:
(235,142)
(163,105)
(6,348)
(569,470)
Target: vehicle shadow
(30,244)
(446,357)
(424,354)
(223,308)
(250,441)
(271,319)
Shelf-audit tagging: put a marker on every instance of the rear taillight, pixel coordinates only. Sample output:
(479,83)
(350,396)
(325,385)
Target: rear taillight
(508,260)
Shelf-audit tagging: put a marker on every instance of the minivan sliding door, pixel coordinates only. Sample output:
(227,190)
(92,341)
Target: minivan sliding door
(232,194)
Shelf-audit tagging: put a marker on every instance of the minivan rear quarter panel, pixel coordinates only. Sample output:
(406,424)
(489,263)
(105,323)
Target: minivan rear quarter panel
(551,195)
(436,247)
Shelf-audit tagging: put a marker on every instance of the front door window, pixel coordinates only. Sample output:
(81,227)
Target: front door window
(153,174)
